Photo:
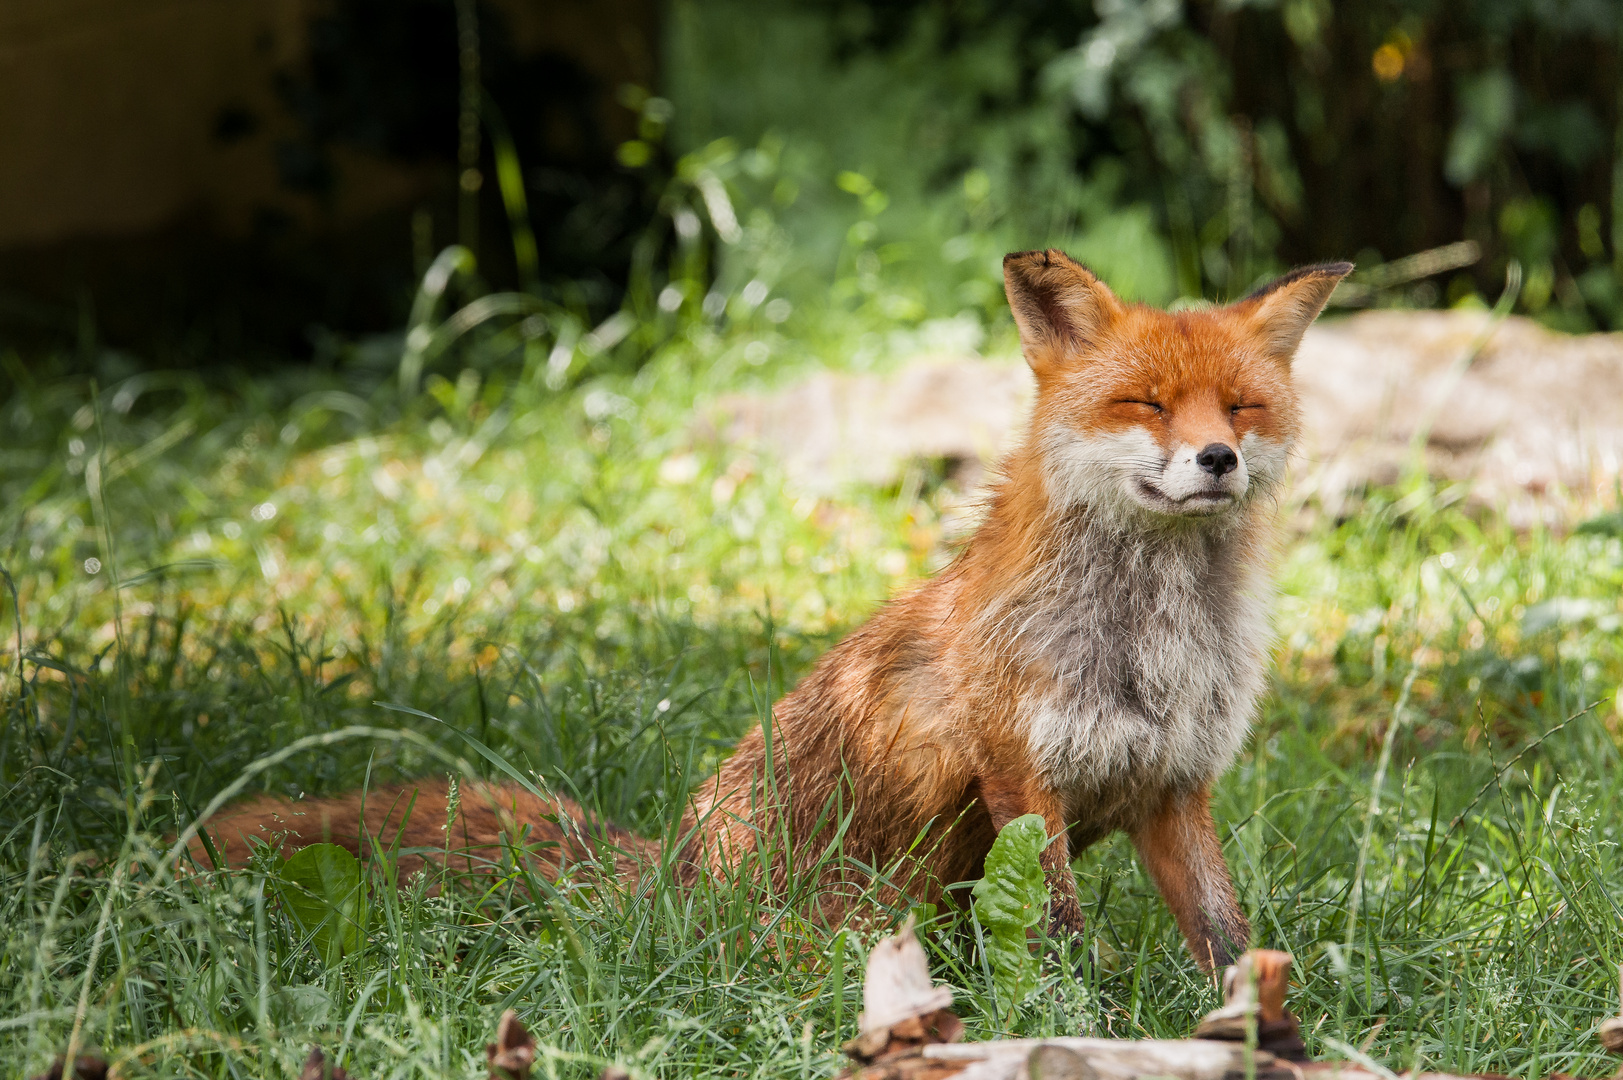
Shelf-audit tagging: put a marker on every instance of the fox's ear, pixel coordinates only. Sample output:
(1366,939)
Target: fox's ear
(1279,313)
(1059,306)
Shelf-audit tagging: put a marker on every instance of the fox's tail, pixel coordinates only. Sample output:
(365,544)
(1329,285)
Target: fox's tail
(494,824)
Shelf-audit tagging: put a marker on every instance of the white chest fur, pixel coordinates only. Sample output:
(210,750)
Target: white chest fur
(1143,655)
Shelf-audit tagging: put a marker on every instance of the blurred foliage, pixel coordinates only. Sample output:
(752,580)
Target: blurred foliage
(384,77)
(1184,147)
(849,174)
(856,168)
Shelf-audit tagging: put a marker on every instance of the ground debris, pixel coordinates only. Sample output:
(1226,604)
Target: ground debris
(1051,1062)
(902,1010)
(1255,988)
(907,1033)
(316,1067)
(513,1052)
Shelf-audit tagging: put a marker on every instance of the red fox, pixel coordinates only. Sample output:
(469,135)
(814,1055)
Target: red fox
(1093,655)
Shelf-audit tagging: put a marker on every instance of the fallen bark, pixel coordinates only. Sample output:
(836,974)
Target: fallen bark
(907,1032)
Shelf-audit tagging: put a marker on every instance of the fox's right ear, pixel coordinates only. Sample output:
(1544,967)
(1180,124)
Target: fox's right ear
(1280,312)
(1060,307)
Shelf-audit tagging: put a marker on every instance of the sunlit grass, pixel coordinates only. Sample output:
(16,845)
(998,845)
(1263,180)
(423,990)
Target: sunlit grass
(589,586)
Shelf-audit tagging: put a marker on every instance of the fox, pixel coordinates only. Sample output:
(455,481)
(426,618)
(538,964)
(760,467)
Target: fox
(1094,654)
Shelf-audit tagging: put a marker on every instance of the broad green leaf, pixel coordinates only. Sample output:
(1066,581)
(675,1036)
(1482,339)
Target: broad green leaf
(301,1006)
(1010,900)
(321,887)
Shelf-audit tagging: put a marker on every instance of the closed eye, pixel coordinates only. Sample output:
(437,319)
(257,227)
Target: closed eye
(1147,404)
(1237,408)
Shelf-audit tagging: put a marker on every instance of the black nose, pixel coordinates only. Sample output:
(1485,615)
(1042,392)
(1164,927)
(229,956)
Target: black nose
(1217,459)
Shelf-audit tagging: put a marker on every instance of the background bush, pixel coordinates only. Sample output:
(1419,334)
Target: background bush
(1186,148)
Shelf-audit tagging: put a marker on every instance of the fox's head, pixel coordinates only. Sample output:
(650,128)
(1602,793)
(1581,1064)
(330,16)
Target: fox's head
(1172,414)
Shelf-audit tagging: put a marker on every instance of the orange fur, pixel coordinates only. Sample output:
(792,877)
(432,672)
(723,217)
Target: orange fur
(1047,670)
(493,822)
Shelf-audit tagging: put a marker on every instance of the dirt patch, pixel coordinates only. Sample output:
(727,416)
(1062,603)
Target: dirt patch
(1533,423)
(832,430)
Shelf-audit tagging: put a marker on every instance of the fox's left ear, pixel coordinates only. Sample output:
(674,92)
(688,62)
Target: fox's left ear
(1280,312)
(1060,307)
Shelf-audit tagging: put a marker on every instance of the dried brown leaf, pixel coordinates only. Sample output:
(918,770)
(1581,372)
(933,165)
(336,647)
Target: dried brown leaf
(85,1067)
(513,1052)
(316,1067)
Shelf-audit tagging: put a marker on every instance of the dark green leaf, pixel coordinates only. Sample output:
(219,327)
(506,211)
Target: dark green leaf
(1010,900)
(1604,525)
(321,887)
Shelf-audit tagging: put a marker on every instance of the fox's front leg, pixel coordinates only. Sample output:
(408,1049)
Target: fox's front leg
(1178,844)
(1007,801)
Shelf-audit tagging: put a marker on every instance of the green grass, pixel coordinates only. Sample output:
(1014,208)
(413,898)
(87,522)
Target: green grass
(580,582)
